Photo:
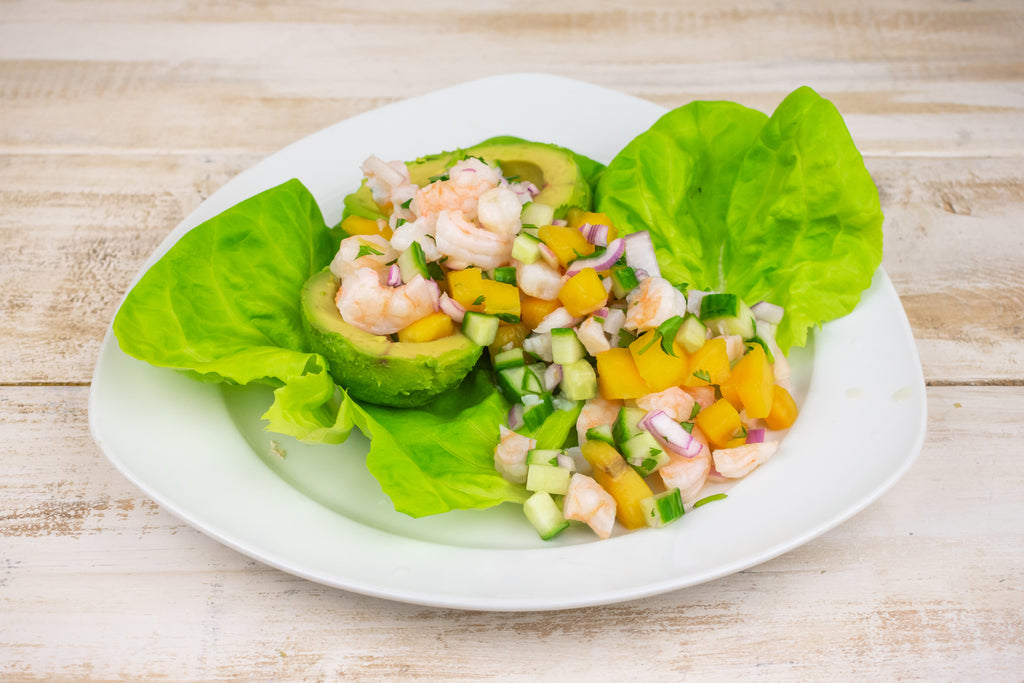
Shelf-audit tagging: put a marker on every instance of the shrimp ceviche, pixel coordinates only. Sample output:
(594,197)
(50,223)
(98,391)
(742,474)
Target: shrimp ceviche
(676,388)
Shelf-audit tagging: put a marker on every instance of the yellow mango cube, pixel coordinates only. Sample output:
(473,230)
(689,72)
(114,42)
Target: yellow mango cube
(620,480)
(428,328)
(583,293)
(618,377)
(709,364)
(753,379)
(358,225)
(567,243)
(719,422)
(659,369)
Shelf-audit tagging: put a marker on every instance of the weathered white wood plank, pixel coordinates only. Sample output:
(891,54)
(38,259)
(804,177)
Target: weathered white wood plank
(97,582)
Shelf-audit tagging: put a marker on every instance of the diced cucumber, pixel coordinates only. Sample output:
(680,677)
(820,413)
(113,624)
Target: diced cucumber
(544,515)
(579,380)
(627,423)
(550,478)
(623,281)
(543,456)
(566,346)
(533,381)
(692,333)
(644,453)
(601,433)
(662,508)
(506,274)
(526,248)
(537,408)
(510,383)
(535,213)
(513,358)
(727,314)
(412,262)
(481,328)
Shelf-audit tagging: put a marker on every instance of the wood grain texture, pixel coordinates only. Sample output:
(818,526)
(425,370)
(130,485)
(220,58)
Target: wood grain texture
(119,117)
(925,580)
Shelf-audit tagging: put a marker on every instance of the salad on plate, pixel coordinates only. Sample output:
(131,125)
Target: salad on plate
(515,322)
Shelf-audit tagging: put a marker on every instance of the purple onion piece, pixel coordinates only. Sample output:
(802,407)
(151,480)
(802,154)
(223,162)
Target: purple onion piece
(394,276)
(640,253)
(755,436)
(768,312)
(515,417)
(552,377)
(560,221)
(602,262)
(566,461)
(548,256)
(452,308)
(670,434)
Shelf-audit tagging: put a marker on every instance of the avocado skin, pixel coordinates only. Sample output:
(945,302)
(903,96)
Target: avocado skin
(374,368)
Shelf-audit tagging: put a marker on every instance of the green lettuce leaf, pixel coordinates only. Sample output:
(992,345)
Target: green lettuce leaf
(778,209)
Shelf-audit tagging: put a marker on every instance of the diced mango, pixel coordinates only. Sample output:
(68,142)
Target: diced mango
(659,369)
(428,328)
(783,412)
(753,380)
(719,422)
(567,243)
(469,288)
(620,480)
(730,394)
(618,377)
(709,364)
(358,225)
(533,310)
(508,333)
(583,293)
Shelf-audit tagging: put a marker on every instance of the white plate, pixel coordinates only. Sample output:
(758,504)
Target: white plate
(200,451)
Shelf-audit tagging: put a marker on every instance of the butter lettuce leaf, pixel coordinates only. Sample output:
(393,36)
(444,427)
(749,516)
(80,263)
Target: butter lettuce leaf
(780,209)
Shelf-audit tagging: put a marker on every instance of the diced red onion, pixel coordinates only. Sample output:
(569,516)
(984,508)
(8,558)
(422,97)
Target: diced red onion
(613,321)
(601,262)
(452,308)
(670,434)
(437,291)
(693,299)
(640,253)
(394,276)
(595,233)
(600,313)
(556,318)
(560,221)
(566,461)
(755,436)
(548,256)
(768,312)
(515,417)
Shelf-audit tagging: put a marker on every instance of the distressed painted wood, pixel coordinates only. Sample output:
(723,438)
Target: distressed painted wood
(118,118)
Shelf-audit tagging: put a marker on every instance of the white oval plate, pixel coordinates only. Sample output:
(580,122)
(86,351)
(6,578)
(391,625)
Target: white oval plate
(200,451)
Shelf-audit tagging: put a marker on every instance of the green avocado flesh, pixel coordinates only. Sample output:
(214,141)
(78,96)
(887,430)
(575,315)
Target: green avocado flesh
(372,367)
(552,169)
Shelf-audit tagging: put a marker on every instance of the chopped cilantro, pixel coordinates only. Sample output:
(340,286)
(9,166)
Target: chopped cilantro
(709,499)
(701,373)
(667,330)
(479,300)
(366,250)
(407,203)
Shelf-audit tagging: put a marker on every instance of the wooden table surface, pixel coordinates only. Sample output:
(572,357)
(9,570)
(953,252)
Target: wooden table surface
(118,118)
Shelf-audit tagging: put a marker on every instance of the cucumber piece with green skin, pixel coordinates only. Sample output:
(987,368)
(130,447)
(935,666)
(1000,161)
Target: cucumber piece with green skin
(727,314)
(505,274)
(644,453)
(601,433)
(662,508)
(480,327)
(624,280)
(692,333)
(510,383)
(535,213)
(511,358)
(533,380)
(544,515)
(537,408)
(526,248)
(550,478)
(543,456)
(372,367)
(412,262)
(566,346)
(579,380)
(626,424)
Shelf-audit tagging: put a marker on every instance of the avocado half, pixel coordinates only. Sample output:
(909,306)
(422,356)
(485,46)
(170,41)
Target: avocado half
(372,367)
(553,169)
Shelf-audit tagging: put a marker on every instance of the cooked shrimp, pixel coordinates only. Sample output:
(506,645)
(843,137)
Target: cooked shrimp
(467,180)
(420,230)
(740,461)
(587,502)
(510,454)
(376,250)
(687,474)
(653,302)
(538,280)
(388,181)
(591,334)
(467,245)
(498,210)
(705,396)
(597,411)
(378,309)
(674,401)
(733,346)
